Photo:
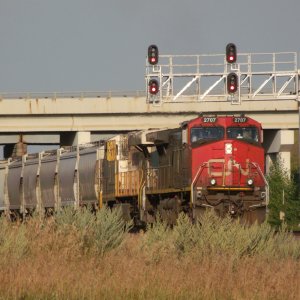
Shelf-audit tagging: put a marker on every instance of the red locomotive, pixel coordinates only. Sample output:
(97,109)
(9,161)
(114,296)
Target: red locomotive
(227,166)
(209,162)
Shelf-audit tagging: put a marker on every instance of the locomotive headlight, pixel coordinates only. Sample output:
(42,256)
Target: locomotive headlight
(250,181)
(228,148)
(213,181)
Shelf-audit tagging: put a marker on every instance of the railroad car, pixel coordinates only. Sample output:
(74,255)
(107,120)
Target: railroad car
(210,162)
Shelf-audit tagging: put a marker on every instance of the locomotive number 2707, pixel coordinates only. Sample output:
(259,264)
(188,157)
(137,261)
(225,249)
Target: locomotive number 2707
(209,120)
(239,119)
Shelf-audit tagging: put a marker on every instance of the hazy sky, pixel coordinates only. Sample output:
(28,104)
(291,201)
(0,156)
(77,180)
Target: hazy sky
(94,45)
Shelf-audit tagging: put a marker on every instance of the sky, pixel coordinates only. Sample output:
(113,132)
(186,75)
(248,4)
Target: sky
(101,45)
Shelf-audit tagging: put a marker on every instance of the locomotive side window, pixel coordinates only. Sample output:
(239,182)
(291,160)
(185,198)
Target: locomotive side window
(247,133)
(206,133)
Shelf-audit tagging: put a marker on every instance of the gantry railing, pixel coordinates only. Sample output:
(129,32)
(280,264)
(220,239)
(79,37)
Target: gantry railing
(266,76)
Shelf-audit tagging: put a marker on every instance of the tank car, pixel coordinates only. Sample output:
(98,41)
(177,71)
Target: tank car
(49,180)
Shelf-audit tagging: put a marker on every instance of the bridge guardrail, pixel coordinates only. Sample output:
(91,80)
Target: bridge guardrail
(75,94)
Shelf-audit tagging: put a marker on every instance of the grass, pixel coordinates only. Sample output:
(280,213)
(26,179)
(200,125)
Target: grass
(79,255)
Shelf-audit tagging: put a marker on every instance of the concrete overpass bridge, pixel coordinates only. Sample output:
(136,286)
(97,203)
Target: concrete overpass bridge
(268,91)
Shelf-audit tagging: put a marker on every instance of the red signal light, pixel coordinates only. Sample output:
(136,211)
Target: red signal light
(231,55)
(152,54)
(232,83)
(153,86)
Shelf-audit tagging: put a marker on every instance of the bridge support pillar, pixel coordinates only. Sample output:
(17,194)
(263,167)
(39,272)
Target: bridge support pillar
(8,151)
(278,144)
(75,138)
(14,150)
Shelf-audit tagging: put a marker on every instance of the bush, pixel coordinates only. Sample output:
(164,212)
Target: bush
(213,236)
(184,234)
(109,231)
(80,219)
(156,241)
(100,232)
(283,197)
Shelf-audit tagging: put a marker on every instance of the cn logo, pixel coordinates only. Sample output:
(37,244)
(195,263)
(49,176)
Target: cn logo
(226,169)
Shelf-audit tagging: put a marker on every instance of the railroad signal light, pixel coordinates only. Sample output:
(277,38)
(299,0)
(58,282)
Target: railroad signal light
(152,54)
(232,83)
(231,55)
(153,86)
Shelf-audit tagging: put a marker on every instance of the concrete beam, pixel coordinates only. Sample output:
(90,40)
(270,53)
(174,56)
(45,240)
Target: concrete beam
(13,138)
(75,138)
(278,140)
(82,137)
(126,122)
(285,158)
(136,105)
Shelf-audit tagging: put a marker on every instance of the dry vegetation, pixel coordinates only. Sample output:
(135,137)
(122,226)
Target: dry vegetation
(83,256)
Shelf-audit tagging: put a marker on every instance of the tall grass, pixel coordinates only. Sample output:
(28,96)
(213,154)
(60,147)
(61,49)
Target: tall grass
(81,255)
(13,240)
(212,235)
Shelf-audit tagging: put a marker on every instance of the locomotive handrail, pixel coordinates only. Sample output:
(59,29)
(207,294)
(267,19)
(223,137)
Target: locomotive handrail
(201,167)
(265,181)
(127,183)
(141,187)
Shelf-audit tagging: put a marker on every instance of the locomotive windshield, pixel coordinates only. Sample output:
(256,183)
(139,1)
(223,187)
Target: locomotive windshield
(249,134)
(206,133)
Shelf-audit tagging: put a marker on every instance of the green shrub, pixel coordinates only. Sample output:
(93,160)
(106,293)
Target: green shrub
(183,234)
(212,235)
(157,232)
(284,197)
(101,231)
(109,230)
(155,243)
(69,217)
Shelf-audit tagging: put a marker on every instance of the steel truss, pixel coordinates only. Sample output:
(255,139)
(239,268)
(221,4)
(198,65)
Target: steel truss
(262,76)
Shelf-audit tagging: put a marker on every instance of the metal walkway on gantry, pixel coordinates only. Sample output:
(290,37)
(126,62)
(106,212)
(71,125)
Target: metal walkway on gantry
(194,78)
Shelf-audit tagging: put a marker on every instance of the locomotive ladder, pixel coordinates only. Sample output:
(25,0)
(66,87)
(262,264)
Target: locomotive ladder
(200,169)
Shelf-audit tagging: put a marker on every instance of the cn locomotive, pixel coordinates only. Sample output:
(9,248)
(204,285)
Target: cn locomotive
(210,162)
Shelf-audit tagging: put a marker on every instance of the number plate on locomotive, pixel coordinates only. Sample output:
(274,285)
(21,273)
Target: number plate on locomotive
(209,119)
(240,119)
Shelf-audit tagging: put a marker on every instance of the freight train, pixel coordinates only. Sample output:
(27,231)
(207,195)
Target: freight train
(210,162)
